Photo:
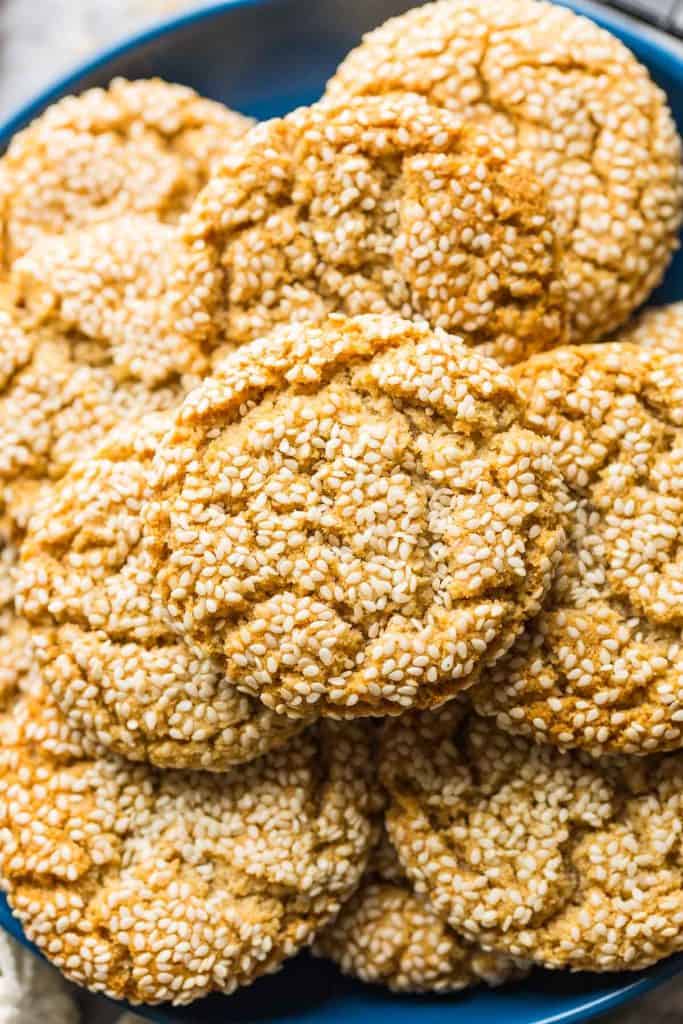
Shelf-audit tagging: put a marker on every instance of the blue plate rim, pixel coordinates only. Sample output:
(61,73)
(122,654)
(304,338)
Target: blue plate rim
(648,37)
(630,30)
(43,97)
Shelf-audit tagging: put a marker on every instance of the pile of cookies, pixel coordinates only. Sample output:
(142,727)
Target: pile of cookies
(341,519)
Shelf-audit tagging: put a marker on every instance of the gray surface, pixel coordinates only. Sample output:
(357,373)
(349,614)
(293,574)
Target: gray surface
(41,39)
(658,11)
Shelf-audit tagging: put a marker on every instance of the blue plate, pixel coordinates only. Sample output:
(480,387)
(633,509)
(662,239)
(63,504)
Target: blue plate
(265,57)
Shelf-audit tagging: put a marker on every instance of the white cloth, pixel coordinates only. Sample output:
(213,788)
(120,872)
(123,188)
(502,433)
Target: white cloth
(30,990)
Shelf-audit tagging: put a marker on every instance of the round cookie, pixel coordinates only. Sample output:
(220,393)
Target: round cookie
(56,407)
(157,886)
(385,934)
(545,855)
(110,321)
(351,518)
(115,668)
(658,328)
(144,147)
(573,105)
(601,667)
(382,205)
(132,286)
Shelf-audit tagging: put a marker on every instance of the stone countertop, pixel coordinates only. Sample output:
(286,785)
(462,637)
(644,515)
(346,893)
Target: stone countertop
(40,41)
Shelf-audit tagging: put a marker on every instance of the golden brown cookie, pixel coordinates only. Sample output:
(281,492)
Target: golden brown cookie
(164,886)
(109,321)
(117,671)
(63,400)
(555,857)
(387,935)
(378,206)
(575,107)
(351,517)
(132,286)
(143,147)
(661,327)
(601,667)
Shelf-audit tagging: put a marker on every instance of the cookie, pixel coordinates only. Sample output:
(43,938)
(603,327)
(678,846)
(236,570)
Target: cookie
(108,322)
(130,285)
(551,856)
(601,667)
(385,934)
(143,147)
(117,671)
(157,886)
(575,107)
(377,206)
(351,518)
(658,328)
(57,406)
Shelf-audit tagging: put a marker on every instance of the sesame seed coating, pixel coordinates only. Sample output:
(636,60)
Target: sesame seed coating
(143,147)
(55,406)
(153,886)
(8,557)
(351,517)
(131,285)
(661,327)
(382,205)
(116,670)
(573,105)
(386,934)
(16,660)
(547,855)
(109,321)
(601,667)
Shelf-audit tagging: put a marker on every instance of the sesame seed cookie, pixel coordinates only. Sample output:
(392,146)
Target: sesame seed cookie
(546,855)
(352,518)
(143,147)
(601,667)
(106,322)
(658,328)
(61,399)
(113,665)
(573,105)
(387,935)
(159,886)
(382,205)
(131,285)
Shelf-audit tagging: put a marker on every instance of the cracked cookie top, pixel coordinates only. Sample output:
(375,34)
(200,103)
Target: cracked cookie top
(143,147)
(60,402)
(352,518)
(106,322)
(547,855)
(156,886)
(133,287)
(116,669)
(573,105)
(601,667)
(387,935)
(382,205)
